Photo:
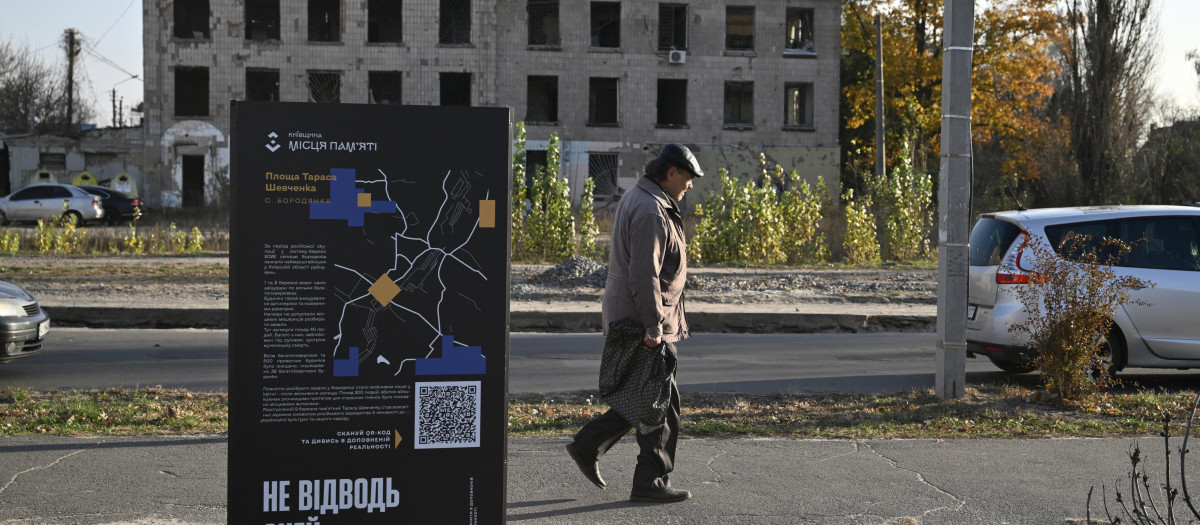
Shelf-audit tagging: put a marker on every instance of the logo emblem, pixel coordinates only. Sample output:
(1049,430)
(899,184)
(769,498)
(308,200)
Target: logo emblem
(273,145)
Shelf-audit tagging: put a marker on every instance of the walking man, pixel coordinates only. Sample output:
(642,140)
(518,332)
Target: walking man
(647,269)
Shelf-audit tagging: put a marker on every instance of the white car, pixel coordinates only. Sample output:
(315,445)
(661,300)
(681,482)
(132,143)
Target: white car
(23,323)
(1164,333)
(43,201)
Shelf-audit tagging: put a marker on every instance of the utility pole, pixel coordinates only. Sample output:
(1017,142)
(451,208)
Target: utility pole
(880,139)
(72,44)
(114,107)
(954,197)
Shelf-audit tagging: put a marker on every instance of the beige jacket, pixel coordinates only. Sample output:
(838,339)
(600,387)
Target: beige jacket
(647,265)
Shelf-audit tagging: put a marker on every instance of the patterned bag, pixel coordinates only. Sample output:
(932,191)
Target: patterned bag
(635,381)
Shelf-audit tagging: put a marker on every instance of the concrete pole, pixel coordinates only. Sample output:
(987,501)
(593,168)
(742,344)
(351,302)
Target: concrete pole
(880,139)
(954,197)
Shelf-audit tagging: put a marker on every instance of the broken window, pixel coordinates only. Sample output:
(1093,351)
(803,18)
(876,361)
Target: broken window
(324,20)
(739,104)
(672,102)
(542,102)
(52,161)
(606,24)
(262,20)
(324,86)
(799,32)
(262,84)
(602,101)
(191,19)
(739,28)
(534,160)
(543,23)
(603,169)
(798,105)
(384,87)
(454,22)
(191,91)
(455,89)
(672,26)
(384,21)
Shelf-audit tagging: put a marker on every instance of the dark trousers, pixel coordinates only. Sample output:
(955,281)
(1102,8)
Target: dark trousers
(657,457)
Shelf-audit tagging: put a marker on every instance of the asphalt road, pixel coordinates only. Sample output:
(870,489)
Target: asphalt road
(81,358)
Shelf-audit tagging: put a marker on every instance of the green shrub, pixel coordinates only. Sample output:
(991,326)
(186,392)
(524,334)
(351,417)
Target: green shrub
(859,244)
(588,230)
(904,208)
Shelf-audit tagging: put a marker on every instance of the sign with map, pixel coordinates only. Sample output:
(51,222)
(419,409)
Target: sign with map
(368,345)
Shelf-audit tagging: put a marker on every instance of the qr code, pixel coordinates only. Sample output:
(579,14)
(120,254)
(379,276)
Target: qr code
(447,414)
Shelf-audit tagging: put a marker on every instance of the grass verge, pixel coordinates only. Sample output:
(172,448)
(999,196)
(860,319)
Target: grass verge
(986,411)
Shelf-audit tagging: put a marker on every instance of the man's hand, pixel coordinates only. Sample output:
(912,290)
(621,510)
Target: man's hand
(651,342)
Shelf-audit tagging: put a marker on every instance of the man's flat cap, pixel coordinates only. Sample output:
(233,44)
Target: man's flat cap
(681,157)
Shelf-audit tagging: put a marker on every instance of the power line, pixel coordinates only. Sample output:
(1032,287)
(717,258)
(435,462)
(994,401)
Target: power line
(114,24)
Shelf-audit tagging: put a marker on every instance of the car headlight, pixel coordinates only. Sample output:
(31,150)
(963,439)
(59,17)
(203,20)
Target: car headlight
(10,309)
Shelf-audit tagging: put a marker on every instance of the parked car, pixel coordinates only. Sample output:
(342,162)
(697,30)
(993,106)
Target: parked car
(1163,333)
(43,201)
(23,323)
(118,207)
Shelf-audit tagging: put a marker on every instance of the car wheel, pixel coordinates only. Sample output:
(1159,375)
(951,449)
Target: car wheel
(72,213)
(1112,354)
(1013,367)
(3,219)
(111,217)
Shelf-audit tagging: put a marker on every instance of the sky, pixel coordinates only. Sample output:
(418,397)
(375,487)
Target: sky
(113,51)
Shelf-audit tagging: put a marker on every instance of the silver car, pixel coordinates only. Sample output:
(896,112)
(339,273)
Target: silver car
(23,323)
(1164,333)
(42,201)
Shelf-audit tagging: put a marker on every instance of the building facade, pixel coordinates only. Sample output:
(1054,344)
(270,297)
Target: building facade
(614,79)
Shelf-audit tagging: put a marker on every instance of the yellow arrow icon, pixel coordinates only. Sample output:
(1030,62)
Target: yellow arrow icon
(398,438)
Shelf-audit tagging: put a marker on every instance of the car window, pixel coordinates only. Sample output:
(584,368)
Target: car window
(35,192)
(59,192)
(1092,236)
(990,239)
(1164,243)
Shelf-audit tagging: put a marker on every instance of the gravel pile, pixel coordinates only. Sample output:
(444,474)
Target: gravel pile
(574,271)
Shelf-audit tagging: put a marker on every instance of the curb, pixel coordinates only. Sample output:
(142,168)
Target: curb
(524,321)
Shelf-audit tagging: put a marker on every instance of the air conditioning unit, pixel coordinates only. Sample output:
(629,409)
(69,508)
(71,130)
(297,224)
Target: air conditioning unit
(677,56)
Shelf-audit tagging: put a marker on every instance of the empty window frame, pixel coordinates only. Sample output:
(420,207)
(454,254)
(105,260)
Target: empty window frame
(603,169)
(739,28)
(191,19)
(542,100)
(602,101)
(534,160)
(798,105)
(325,86)
(384,87)
(799,32)
(324,20)
(672,26)
(606,24)
(543,23)
(385,19)
(455,89)
(672,102)
(454,22)
(191,91)
(739,104)
(262,20)
(262,84)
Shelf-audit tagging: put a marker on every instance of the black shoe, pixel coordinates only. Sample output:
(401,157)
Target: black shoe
(589,466)
(659,495)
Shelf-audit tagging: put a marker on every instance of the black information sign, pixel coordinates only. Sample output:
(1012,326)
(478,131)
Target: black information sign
(368,342)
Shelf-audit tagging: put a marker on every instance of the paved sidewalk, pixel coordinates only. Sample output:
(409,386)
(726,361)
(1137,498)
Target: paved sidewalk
(52,480)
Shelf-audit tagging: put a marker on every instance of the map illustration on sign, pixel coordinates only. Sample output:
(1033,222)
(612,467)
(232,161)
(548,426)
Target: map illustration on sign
(413,292)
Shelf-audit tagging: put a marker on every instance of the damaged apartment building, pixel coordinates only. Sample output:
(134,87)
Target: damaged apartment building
(614,79)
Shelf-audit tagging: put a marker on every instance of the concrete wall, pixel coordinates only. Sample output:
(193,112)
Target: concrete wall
(104,153)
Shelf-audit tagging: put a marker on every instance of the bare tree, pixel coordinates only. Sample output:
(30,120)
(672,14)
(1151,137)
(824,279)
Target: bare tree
(1107,62)
(32,94)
